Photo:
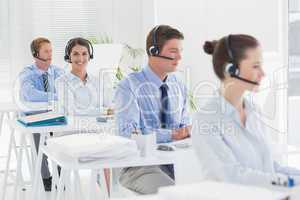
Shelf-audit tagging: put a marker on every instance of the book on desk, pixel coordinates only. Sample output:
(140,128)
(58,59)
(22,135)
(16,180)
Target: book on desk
(43,119)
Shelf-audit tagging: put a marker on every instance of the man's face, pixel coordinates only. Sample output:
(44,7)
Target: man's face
(172,48)
(45,53)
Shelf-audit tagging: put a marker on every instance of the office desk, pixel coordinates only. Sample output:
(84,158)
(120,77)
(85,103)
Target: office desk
(71,165)
(207,190)
(184,160)
(75,124)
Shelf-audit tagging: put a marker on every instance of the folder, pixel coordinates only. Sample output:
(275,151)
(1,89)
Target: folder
(43,119)
(34,112)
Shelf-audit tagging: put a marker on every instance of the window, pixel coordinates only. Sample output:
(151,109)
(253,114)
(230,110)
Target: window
(60,20)
(4,61)
(294,47)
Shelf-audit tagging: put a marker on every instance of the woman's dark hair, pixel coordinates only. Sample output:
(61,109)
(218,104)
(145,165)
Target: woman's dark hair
(220,51)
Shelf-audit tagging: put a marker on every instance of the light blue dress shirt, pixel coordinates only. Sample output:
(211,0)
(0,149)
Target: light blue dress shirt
(32,86)
(234,153)
(138,104)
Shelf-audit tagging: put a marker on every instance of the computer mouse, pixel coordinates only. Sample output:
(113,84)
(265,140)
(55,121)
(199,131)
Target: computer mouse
(164,147)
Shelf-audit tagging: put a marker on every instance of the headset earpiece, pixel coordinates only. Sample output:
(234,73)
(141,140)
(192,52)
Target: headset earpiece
(67,58)
(154,49)
(232,70)
(33,50)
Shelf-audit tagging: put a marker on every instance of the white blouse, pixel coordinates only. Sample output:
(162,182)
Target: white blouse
(77,97)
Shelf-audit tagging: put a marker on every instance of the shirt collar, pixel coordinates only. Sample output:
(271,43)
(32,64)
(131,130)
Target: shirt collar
(72,76)
(40,72)
(152,77)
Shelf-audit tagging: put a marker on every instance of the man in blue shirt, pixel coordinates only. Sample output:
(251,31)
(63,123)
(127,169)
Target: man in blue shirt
(37,79)
(154,100)
(37,85)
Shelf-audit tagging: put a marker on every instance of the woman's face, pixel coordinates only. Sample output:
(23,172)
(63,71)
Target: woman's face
(251,68)
(79,57)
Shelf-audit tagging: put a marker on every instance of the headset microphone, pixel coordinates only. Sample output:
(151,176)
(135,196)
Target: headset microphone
(246,80)
(232,68)
(164,57)
(41,59)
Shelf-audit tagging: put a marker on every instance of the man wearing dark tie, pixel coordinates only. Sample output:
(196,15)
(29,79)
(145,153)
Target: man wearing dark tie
(37,85)
(154,100)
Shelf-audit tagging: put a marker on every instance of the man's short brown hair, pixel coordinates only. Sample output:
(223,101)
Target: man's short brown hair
(159,35)
(36,44)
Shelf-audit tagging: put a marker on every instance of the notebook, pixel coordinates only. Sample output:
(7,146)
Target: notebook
(43,119)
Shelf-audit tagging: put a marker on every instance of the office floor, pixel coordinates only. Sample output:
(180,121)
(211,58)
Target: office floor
(84,181)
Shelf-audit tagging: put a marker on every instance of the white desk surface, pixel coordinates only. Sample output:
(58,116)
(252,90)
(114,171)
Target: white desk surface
(25,106)
(67,162)
(208,190)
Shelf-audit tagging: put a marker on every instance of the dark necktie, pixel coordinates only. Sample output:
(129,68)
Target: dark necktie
(45,81)
(165,123)
(164,106)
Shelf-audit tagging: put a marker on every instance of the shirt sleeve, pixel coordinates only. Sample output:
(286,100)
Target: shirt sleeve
(127,110)
(291,171)
(162,135)
(128,115)
(28,91)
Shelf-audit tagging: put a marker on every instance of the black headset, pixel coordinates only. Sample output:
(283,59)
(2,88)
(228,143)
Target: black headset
(33,50)
(232,67)
(69,46)
(154,49)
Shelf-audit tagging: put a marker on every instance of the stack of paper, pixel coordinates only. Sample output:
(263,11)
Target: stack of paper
(43,119)
(91,147)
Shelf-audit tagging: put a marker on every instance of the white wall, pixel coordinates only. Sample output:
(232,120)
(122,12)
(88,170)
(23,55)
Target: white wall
(211,19)
(122,20)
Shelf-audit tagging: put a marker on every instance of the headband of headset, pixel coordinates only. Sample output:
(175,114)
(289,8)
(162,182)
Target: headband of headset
(232,67)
